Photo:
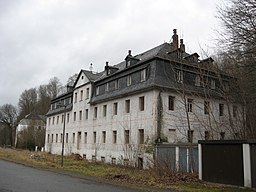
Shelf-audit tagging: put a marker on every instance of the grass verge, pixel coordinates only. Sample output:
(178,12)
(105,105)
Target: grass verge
(116,174)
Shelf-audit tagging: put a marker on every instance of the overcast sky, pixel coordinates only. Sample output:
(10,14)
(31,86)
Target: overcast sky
(40,39)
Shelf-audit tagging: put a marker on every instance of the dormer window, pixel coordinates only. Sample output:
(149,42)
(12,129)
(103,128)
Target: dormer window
(129,80)
(180,76)
(97,90)
(107,87)
(128,63)
(212,84)
(116,84)
(143,75)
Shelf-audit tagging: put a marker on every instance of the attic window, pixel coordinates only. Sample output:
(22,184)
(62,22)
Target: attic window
(128,63)
(97,90)
(143,75)
(82,77)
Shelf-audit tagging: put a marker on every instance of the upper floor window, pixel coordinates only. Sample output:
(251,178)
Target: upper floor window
(171,103)
(107,87)
(197,80)
(141,136)
(221,109)
(126,136)
(75,97)
(141,103)
(86,113)
(114,136)
(97,90)
(127,106)
(116,84)
(179,76)
(189,105)
(87,93)
(115,109)
(104,110)
(68,118)
(213,86)
(74,116)
(143,75)
(80,115)
(81,95)
(129,80)
(95,112)
(206,107)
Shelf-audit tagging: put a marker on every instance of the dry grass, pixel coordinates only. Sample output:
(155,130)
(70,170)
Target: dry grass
(117,174)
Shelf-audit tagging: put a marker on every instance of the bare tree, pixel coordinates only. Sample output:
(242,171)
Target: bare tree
(27,102)
(8,118)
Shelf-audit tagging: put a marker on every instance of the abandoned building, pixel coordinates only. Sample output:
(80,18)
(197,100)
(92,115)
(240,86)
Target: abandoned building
(163,95)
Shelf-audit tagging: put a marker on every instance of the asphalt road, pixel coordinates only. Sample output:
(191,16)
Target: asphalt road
(19,178)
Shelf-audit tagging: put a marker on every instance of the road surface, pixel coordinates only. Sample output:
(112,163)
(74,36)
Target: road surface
(19,178)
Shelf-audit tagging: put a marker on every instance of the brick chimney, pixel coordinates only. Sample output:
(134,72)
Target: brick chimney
(175,39)
(182,46)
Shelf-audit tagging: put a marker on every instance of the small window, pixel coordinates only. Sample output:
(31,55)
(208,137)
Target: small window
(97,90)
(103,136)
(141,103)
(190,136)
(49,121)
(85,137)
(129,80)
(171,103)
(48,138)
(143,75)
(189,105)
(234,111)
(80,115)
(221,109)
(87,93)
(74,116)
(81,95)
(115,109)
(104,110)
(114,137)
(95,112)
(206,107)
(107,87)
(94,137)
(213,84)
(86,113)
(66,137)
(75,97)
(179,76)
(197,80)
(128,63)
(141,136)
(62,118)
(79,137)
(68,118)
(113,161)
(52,138)
(127,106)
(126,136)
(116,84)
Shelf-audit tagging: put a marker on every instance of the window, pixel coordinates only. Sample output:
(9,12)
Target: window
(113,161)
(56,138)
(128,63)
(102,158)
(58,119)
(197,80)
(62,118)
(190,136)
(172,135)
(49,121)
(61,137)
(222,135)
(74,116)
(93,158)
(75,97)
(127,106)
(52,138)
(171,103)
(74,136)
(97,90)
(104,110)
(129,80)
(114,136)
(126,136)
(48,138)
(86,113)
(206,107)
(94,137)
(213,84)
(221,109)
(81,95)
(80,115)
(189,105)
(116,84)
(234,111)
(103,136)
(141,103)
(79,135)
(87,93)
(95,112)
(53,119)
(68,118)
(107,87)
(141,136)
(66,137)
(179,76)
(115,109)
(143,75)
(206,135)
(85,137)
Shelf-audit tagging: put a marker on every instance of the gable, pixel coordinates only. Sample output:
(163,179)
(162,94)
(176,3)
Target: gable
(81,79)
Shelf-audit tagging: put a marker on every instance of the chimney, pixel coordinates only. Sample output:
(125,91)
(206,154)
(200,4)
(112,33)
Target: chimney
(129,52)
(182,46)
(175,39)
(107,68)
